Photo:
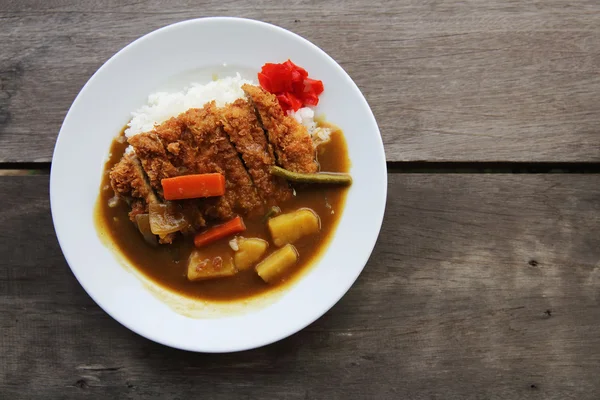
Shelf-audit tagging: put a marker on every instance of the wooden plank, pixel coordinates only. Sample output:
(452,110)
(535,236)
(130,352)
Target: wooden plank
(448,81)
(480,287)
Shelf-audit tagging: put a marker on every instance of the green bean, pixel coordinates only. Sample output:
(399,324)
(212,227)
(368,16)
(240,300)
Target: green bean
(273,211)
(320,177)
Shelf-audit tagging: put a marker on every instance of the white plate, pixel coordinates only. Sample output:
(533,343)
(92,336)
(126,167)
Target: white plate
(164,59)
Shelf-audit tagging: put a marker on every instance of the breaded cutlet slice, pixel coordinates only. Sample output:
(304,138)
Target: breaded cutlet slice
(171,149)
(215,153)
(127,179)
(149,148)
(130,182)
(290,140)
(248,137)
(161,157)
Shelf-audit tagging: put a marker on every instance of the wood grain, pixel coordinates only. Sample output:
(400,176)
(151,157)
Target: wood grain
(448,80)
(480,287)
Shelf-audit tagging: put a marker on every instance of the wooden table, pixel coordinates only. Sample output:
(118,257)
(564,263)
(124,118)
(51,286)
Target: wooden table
(481,286)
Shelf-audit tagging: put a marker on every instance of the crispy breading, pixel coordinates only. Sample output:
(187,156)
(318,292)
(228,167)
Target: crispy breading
(195,143)
(240,123)
(173,149)
(128,181)
(241,141)
(290,140)
(151,152)
(215,153)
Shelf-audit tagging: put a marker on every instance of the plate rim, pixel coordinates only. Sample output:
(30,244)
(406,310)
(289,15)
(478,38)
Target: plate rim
(293,327)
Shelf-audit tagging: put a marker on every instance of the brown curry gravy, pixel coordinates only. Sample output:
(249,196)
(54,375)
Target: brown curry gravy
(166,265)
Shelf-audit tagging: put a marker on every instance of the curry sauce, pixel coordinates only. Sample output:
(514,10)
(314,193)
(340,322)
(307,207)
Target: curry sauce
(166,265)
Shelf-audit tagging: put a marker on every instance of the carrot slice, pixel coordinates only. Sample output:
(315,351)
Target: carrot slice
(215,233)
(193,186)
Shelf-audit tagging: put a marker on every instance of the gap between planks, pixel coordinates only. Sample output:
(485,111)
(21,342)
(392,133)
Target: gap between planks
(402,167)
(493,167)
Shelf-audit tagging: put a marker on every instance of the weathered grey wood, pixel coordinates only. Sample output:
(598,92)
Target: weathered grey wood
(447,80)
(480,287)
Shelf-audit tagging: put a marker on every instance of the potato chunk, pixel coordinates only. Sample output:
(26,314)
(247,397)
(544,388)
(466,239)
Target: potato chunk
(201,267)
(277,263)
(287,228)
(249,252)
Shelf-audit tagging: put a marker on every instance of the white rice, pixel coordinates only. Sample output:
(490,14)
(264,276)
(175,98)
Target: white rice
(306,116)
(162,106)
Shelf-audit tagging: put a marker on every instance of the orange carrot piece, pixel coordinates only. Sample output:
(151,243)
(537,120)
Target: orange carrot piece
(231,227)
(193,186)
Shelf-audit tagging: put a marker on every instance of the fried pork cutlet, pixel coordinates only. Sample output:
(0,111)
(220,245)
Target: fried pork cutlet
(195,143)
(151,152)
(290,140)
(215,153)
(129,181)
(211,139)
(240,122)
(171,149)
